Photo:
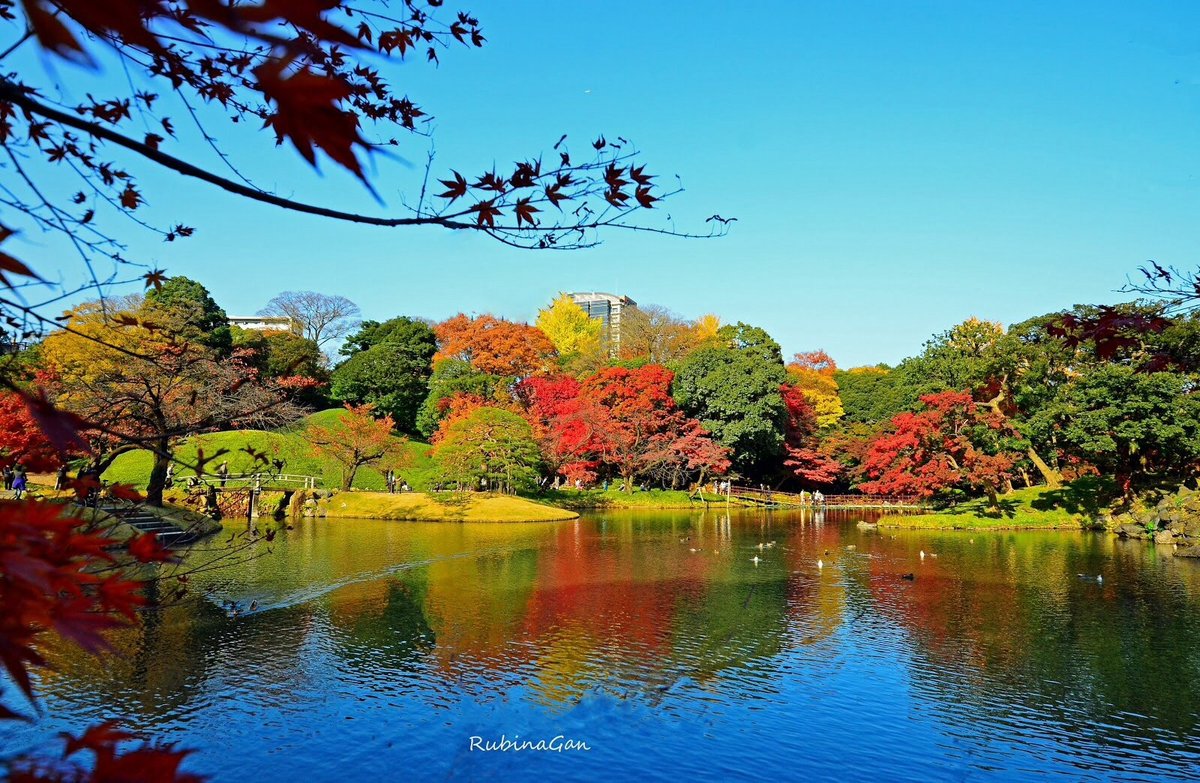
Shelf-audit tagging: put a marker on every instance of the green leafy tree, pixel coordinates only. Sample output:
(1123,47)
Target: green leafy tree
(389,368)
(733,389)
(1134,426)
(871,395)
(401,329)
(492,445)
(194,314)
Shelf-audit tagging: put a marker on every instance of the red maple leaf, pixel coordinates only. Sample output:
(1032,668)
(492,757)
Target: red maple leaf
(307,112)
(486,213)
(454,187)
(525,212)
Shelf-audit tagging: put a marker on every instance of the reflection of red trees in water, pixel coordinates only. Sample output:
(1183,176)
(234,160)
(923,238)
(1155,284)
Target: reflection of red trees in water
(959,617)
(615,594)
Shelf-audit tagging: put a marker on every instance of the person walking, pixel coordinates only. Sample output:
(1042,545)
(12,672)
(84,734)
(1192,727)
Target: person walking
(19,482)
(390,479)
(60,478)
(223,473)
(8,478)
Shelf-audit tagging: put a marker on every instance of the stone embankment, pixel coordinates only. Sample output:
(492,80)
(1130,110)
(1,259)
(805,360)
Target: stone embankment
(1173,520)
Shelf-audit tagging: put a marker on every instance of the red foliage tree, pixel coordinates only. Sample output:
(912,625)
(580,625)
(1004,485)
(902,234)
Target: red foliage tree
(549,403)
(635,428)
(804,459)
(951,444)
(495,346)
(21,439)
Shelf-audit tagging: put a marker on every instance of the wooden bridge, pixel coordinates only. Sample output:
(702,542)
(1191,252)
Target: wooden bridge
(242,481)
(773,498)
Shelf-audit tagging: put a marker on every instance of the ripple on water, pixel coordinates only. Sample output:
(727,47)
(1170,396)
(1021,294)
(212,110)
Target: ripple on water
(380,648)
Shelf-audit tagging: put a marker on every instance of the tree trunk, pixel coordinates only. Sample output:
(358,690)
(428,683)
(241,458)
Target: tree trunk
(993,500)
(1051,476)
(158,474)
(348,477)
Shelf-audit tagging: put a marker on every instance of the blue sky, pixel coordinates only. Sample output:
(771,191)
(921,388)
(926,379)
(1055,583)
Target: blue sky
(894,167)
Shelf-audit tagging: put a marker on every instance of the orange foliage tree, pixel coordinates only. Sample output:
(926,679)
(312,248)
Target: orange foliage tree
(495,346)
(356,440)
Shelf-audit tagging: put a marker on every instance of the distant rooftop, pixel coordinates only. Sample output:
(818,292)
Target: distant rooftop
(261,322)
(597,296)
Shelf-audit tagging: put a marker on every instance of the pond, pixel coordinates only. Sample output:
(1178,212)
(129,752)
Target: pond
(380,649)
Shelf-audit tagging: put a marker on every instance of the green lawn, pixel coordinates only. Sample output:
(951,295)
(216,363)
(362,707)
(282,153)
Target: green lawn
(598,498)
(441,507)
(287,444)
(1072,507)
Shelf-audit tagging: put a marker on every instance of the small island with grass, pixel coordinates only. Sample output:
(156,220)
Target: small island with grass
(1074,506)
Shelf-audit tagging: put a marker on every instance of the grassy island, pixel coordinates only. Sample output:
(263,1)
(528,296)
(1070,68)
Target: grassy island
(597,499)
(1072,507)
(440,507)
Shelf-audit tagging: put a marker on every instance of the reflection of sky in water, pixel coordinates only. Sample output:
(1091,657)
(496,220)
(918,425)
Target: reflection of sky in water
(379,648)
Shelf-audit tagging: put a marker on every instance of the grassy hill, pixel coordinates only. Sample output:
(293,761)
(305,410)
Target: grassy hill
(1071,507)
(287,444)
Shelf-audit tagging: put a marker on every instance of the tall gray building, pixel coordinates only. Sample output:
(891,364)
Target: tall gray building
(606,308)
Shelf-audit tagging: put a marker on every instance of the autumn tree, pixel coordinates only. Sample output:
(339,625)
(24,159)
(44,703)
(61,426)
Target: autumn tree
(706,328)
(494,346)
(636,427)
(813,373)
(804,459)
(357,439)
(21,438)
(550,403)
(656,335)
(492,445)
(314,315)
(951,444)
(569,328)
(139,385)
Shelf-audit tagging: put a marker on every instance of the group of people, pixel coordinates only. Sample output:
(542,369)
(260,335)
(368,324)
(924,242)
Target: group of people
(16,480)
(395,483)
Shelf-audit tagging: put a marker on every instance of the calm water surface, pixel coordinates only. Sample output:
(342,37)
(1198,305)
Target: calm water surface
(378,649)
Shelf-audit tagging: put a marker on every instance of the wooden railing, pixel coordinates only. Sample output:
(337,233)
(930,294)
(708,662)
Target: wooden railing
(257,480)
(812,500)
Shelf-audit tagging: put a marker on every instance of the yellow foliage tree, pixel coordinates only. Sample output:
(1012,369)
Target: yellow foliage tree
(705,328)
(812,373)
(569,328)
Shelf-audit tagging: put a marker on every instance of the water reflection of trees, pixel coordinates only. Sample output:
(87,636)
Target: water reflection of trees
(1003,626)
